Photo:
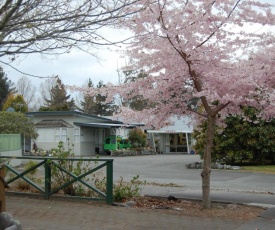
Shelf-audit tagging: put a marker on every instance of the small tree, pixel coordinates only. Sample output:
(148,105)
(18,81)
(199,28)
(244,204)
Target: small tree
(17,123)
(17,102)
(25,88)
(137,137)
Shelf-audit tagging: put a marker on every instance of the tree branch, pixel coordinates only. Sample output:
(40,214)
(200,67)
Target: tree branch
(39,26)
(31,75)
(219,26)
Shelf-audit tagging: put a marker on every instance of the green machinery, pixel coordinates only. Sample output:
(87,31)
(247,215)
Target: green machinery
(115,142)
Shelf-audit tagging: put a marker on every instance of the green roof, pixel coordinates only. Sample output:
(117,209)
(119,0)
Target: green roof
(70,113)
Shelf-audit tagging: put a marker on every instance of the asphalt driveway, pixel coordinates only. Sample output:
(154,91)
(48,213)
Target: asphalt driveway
(161,170)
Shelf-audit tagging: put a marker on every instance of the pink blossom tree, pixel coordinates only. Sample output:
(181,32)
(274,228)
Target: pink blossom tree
(216,53)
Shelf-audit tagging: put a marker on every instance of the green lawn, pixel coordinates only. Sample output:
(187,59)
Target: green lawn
(260,169)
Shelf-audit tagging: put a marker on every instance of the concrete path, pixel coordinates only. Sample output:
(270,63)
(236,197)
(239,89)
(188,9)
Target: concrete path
(36,214)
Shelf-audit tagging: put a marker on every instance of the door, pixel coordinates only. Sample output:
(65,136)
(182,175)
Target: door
(177,143)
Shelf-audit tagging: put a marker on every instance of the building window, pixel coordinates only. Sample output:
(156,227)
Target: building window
(61,134)
(77,135)
(107,141)
(45,135)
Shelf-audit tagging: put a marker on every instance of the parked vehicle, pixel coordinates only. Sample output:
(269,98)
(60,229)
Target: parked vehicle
(115,142)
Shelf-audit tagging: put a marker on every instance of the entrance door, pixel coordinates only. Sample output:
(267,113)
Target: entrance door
(177,143)
(26,145)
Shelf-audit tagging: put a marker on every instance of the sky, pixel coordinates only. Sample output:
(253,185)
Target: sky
(74,68)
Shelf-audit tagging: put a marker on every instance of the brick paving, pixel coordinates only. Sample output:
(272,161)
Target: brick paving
(38,214)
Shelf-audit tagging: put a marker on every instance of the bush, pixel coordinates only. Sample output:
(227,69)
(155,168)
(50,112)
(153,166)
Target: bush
(32,173)
(126,190)
(242,141)
(137,137)
(59,177)
(11,123)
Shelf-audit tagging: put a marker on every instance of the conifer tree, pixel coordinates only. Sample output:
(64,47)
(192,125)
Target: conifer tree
(96,103)
(59,100)
(88,104)
(6,87)
(101,107)
(137,102)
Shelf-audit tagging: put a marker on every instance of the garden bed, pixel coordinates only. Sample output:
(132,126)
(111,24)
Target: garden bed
(130,152)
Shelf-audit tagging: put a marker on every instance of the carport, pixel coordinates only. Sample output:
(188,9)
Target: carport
(102,130)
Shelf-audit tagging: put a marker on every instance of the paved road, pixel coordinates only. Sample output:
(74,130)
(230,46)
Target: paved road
(227,185)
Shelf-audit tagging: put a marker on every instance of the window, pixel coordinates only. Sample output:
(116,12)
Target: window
(45,135)
(77,135)
(61,134)
(113,140)
(107,140)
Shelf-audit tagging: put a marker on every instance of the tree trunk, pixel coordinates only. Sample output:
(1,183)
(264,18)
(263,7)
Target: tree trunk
(205,174)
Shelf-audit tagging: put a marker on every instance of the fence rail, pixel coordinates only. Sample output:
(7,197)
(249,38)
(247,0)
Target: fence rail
(49,162)
(3,185)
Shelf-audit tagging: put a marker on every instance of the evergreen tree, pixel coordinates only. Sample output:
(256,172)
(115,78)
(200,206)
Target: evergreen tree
(88,105)
(101,107)
(242,141)
(96,104)
(6,87)
(136,102)
(59,100)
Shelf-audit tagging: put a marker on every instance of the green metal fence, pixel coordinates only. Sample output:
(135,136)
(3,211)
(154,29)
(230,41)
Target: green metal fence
(49,162)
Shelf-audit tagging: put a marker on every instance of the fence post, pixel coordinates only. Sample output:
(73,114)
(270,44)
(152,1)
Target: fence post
(109,186)
(2,190)
(47,179)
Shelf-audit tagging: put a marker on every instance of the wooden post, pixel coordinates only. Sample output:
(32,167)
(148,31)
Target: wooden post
(2,190)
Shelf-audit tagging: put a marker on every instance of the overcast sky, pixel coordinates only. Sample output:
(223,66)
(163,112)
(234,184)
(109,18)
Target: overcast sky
(74,68)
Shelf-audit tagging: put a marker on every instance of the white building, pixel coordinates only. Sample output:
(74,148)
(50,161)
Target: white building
(175,138)
(84,131)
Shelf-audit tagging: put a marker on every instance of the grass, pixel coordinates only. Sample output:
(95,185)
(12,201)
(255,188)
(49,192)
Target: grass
(260,169)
